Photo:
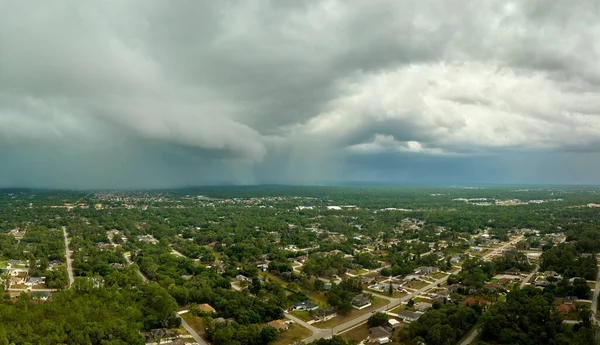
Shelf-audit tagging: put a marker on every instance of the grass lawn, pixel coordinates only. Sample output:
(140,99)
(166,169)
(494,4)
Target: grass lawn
(359,271)
(315,297)
(481,253)
(438,275)
(340,319)
(295,332)
(398,294)
(591,285)
(18,286)
(3,263)
(358,333)
(180,330)
(415,284)
(195,322)
(39,286)
(302,315)
(398,309)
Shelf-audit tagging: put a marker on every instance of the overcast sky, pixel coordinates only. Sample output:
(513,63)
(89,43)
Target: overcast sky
(130,94)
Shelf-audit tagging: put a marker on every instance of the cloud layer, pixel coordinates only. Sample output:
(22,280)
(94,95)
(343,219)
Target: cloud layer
(152,93)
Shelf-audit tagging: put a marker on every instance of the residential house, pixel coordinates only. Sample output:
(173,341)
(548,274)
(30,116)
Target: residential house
(439,299)
(473,301)
(15,262)
(325,314)
(454,287)
(148,239)
(426,270)
(206,308)
(31,281)
(394,323)
(18,277)
(41,295)
(379,335)
(504,281)
(242,278)
(412,277)
(96,281)
(159,333)
(492,286)
(565,308)
(103,245)
(455,259)
(541,281)
(361,301)
(305,305)
(409,316)
(54,263)
(512,271)
(423,306)
(570,299)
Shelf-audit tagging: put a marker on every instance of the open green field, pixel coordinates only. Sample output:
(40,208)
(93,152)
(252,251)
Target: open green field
(416,284)
(359,333)
(293,334)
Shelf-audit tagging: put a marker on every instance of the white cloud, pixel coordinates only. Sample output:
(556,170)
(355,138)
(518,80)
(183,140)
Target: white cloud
(387,144)
(464,106)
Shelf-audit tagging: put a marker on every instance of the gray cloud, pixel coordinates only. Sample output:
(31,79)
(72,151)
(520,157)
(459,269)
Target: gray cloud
(154,93)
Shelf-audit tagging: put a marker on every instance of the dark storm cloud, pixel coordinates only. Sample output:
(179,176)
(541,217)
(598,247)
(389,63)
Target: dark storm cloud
(155,93)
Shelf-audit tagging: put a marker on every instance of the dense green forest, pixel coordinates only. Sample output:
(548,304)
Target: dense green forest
(88,315)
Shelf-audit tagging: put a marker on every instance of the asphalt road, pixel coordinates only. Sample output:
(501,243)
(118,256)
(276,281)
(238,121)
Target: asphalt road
(68,256)
(144,279)
(595,297)
(471,337)
(191,331)
(529,276)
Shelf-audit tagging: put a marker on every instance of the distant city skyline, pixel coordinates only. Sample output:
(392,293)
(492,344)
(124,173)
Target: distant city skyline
(152,94)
